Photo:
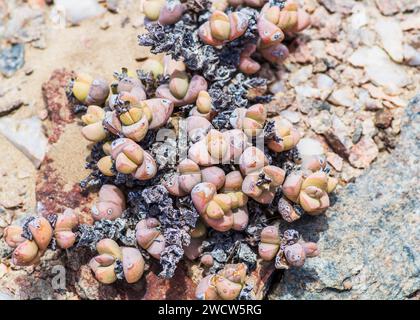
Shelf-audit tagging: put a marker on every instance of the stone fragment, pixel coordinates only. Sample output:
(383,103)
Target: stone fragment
(341,6)
(86,9)
(383,118)
(7,107)
(343,96)
(321,122)
(27,135)
(292,116)
(336,143)
(301,75)
(391,36)
(335,161)
(363,153)
(411,56)
(380,69)
(387,7)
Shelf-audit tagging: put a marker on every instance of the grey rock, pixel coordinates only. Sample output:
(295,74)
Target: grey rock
(369,238)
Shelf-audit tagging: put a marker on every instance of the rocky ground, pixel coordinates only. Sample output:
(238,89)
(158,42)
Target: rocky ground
(347,83)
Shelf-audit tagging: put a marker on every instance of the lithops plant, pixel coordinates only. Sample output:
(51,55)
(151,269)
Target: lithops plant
(94,130)
(110,204)
(287,19)
(250,120)
(216,208)
(127,83)
(89,90)
(262,185)
(183,181)
(149,237)
(285,135)
(30,242)
(198,235)
(182,89)
(225,285)
(222,28)
(210,57)
(311,192)
(218,148)
(203,106)
(114,262)
(64,229)
(163,11)
(128,158)
(246,64)
(287,249)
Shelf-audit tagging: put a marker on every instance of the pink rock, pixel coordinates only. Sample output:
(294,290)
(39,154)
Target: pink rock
(363,153)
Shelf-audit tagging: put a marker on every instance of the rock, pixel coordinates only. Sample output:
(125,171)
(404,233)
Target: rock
(292,116)
(341,6)
(309,147)
(378,93)
(301,75)
(359,18)
(391,36)
(387,7)
(336,143)
(363,153)
(12,59)
(27,135)
(381,70)
(77,11)
(321,122)
(411,56)
(335,161)
(8,107)
(343,96)
(369,238)
(368,127)
(325,85)
(383,118)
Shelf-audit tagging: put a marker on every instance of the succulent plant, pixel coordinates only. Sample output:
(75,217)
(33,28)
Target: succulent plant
(182,90)
(64,229)
(218,148)
(222,28)
(128,158)
(216,208)
(149,237)
(90,91)
(163,11)
(203,107)
(310,192)
(248,65)
(225,285)
(94,130)
(261,185)
(250,120)
(287,250)
(29,248)
(285,136)
(114,261)
(110,204)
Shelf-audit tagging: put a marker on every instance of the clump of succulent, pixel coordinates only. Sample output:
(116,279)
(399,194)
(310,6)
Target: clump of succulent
(225,285)
(114,262)
(37,234)
(210,205)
